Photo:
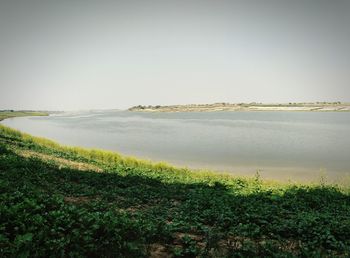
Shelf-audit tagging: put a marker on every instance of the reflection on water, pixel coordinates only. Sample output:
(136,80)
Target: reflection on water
(282,145)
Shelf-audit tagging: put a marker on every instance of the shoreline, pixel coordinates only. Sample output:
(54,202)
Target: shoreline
(12,114)
(134,208)
(270,175)
(280,174)
(243,107)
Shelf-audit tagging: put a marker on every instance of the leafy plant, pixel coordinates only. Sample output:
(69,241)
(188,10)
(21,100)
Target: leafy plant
(64,201)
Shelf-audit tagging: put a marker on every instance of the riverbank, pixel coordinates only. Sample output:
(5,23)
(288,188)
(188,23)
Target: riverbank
(10,113)
(283,146)
(306,107)
(69,201)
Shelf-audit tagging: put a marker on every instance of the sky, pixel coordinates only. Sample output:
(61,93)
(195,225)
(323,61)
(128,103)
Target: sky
(110,54)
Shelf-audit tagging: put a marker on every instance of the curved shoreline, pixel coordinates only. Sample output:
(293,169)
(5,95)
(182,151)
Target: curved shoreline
(131,208)
(297,174)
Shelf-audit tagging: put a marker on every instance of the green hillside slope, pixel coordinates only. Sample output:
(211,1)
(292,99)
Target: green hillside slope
(64,201)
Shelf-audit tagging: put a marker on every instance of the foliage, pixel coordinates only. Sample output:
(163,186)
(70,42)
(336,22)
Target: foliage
(52,205)
(11,113)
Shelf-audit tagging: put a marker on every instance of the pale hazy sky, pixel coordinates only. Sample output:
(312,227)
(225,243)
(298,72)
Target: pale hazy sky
(84,54)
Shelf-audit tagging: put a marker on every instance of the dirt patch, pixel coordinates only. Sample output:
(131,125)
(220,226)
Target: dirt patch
(77,199)
(237,242)
(61,162)
(179,236)
(135,208)
(158,251)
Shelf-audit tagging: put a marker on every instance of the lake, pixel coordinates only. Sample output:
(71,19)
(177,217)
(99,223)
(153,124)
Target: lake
(297,146)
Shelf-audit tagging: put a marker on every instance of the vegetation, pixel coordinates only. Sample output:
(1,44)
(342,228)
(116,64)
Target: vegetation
(11,113)
(65,201)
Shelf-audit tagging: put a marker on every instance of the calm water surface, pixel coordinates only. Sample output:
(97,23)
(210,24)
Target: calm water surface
(281,145)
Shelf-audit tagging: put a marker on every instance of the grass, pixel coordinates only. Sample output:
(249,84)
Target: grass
(9,114)
(64,201)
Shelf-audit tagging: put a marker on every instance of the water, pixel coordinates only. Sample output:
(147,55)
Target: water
(281,145)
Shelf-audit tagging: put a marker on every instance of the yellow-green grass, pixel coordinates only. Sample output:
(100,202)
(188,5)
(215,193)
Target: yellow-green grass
(10,114)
